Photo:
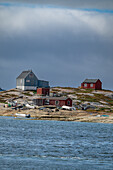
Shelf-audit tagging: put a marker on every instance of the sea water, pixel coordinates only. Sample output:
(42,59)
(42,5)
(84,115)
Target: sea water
(35,144)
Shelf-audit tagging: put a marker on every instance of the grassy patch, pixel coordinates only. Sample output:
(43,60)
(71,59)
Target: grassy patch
(110,102)
(2,100)
(88,90)
(84,98)
(27,94)
(34,92)
(13,90)
(95,98)
(107,110)
(8,95)
(55,90)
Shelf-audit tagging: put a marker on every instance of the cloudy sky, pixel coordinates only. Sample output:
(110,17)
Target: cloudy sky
(62,41)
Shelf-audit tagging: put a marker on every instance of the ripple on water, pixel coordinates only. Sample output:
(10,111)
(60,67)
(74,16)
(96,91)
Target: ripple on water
(55,145)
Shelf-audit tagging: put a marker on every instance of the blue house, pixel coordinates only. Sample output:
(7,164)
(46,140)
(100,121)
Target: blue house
(27,80)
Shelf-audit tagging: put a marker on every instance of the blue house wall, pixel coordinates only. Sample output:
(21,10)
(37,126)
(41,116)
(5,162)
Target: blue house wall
(42,83)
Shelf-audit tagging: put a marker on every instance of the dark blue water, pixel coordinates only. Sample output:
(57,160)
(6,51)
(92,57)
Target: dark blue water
(33,144)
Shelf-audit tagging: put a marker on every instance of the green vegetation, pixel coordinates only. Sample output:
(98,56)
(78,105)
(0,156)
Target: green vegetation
(55,90)
(8,95)
(2,100)
(12,90)
(27,94)
(82,95)
(108,110)
(110,102)
(88,90)
(96,97)
(34,92)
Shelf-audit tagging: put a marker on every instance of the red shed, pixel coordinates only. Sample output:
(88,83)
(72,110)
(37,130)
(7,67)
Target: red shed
(92,84)
(43,91)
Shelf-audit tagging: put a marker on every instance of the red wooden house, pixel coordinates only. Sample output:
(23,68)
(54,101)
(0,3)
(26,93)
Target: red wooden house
(60,101)
(92,84)
(56,101)
(43,91)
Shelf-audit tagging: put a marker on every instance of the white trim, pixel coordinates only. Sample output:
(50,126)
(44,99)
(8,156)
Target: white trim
(26,87)
(20,87)
(85,85)
(91,85)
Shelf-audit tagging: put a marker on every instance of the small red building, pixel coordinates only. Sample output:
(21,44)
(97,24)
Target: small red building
(43,91)
(92,84)
(56,101)
(60,101)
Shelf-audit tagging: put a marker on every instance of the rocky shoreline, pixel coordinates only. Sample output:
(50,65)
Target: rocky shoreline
(62,115)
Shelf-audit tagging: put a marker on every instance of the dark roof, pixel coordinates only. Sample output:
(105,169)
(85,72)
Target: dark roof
(90,80)
(24,74)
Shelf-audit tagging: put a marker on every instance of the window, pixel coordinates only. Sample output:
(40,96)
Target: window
(85,85)
(27,81)
(31,75)
(56,102)
(68,102)
(46,102)
(91,85)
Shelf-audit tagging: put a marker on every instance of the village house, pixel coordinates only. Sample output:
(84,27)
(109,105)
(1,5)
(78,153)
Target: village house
(92,84)
(56,101)
(27,80)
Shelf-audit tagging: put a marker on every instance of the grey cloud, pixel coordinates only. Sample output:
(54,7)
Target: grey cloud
(99,4)
(65,48)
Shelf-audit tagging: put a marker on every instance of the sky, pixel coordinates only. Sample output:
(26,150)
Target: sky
(62,41)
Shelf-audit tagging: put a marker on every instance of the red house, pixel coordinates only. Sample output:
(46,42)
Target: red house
(60,101)
(92,84)
(56,101)
(43,91)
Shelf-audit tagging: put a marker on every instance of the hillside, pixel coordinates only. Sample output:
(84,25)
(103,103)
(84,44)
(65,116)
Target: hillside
(99,100)
(91,105)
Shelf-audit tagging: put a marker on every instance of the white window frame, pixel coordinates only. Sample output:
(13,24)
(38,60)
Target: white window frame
(91,85)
